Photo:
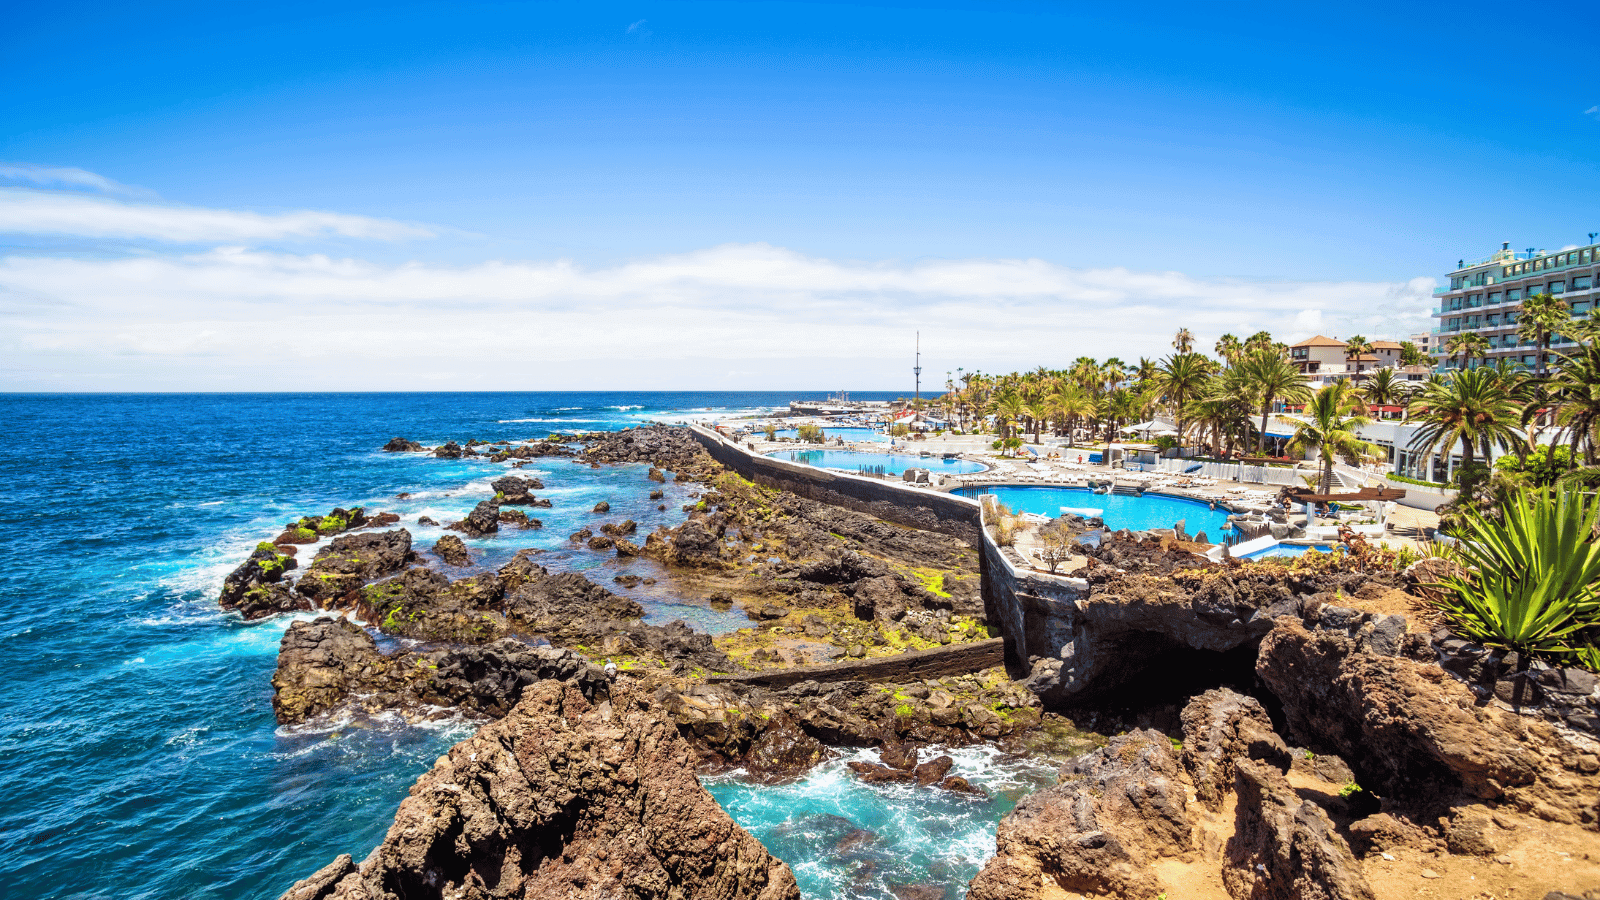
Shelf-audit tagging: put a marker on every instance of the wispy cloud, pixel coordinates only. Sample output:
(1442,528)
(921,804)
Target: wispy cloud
(68,177)
(639,29)
(232,316)
(25,211)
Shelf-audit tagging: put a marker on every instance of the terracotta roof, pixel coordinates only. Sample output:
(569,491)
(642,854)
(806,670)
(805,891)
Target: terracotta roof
(1320,341)
(1386,345)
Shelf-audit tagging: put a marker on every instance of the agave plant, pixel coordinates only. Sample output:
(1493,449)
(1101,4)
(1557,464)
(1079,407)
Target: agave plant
(1531,579)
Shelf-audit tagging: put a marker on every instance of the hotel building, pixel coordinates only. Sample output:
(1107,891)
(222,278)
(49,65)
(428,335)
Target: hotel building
(1485,297)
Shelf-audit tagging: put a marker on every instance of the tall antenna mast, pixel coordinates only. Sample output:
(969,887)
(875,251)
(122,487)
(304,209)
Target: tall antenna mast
(917,371)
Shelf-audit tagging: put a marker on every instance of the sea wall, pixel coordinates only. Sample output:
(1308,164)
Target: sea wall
(891,501)
(1033,611)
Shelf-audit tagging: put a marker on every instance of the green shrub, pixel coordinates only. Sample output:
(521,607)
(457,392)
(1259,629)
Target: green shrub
(811,434)
(1417,481)
(1543,466)
(1531,576)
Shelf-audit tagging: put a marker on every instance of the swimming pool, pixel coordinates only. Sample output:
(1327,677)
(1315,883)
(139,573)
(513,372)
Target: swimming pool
(892,463)
(1288,550)
(1118,510)
(830,432)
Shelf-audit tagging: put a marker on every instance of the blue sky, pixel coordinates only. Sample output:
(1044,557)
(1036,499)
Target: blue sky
(892,166)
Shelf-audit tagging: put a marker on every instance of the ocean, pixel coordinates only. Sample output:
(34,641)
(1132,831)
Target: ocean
(139,756)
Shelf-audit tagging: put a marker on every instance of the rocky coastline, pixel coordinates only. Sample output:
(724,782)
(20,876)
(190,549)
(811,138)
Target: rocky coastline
(1291,729)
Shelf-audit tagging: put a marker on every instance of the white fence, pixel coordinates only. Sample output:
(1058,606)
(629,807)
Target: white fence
(1232,471)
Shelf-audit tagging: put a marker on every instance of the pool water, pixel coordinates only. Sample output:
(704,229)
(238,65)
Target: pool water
(848,433)
(1118,510)
(1288,550)
(892,463)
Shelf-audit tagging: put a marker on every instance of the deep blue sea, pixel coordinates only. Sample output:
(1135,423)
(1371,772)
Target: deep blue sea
(139,757)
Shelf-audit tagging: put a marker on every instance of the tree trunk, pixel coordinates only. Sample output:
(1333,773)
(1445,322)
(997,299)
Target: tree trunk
(1261,443)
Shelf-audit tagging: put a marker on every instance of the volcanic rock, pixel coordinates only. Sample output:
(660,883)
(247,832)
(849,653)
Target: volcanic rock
(400,445)
(256,587)
(352,560)
(452,550)
(565,797)
(514,490)
(483,521)
(1286,848)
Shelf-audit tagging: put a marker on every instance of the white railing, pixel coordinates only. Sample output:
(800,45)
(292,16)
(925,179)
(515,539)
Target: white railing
(1231,471)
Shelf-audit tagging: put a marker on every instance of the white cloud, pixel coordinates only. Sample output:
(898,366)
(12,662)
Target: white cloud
(58,213)
(635,27)
(240,318)
(68,177)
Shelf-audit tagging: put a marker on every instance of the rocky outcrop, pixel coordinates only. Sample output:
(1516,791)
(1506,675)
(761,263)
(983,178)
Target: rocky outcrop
(401,445)
(424,605)
(1222,728)
(310,529)
(321,662)
(1116,811)
(352,560)
(1352,682)
(565,797)
(1140,599)
(660,446)
(1286,848)
(514,490)
(256,589)
(483,521)
(565,605)
(450,450)
(452,551)
(332,663)
(1123,808)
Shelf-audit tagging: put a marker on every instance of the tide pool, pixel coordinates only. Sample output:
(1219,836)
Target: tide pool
(890,463)
(1120,510)
(848,840)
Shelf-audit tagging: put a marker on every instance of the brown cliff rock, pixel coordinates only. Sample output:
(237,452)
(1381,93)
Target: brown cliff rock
(1412,732)
(563,798)
(1116,811)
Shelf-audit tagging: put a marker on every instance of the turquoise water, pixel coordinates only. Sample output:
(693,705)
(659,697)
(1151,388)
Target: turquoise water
(1288,550)
(849,434)
(847,840)
(1119,510)
(139,757)
(892,463)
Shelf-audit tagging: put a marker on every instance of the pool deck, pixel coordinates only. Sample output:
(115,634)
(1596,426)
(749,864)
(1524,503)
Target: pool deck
(1405,525)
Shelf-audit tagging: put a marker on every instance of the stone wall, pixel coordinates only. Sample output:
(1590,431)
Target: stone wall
(914,665)
(892,501)
(1029,608)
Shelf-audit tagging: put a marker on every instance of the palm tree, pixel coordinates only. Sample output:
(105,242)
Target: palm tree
(1183,341)
(1355,348)
(1147,368)
(1181,377)
(1114,407)
(1331,429)
(1037,412)
(1472,408)
(1261,340)
(1468,345)
(1009,407)
(1229,348)
(1271,377)
(1071,403)
(1541,316)
(1382,389)
(1575,392)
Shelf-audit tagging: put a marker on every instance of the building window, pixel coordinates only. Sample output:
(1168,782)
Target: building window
(1579,307)
(1494,297)
(1514,294)
(1580,283)
(1557,287)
